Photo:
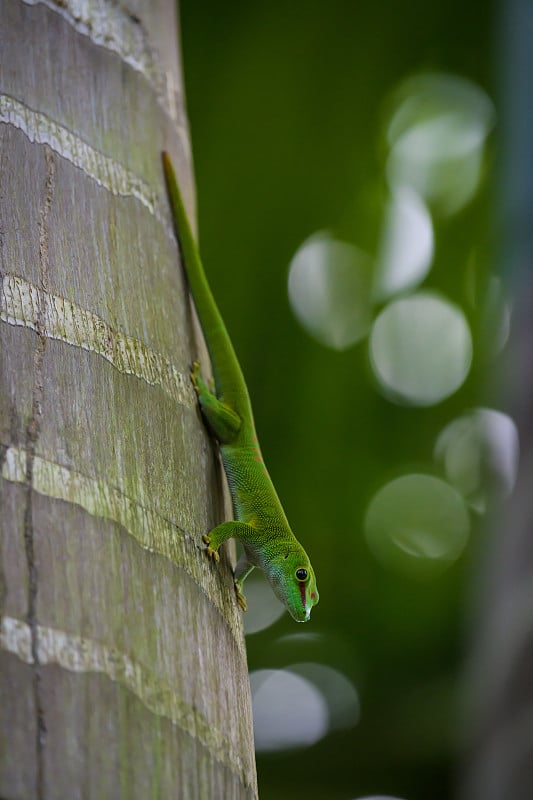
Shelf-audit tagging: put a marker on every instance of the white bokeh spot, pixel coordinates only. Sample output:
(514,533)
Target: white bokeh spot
(420,349)
(406,246)
(417,524)
(329,290)
(288,710)
(479,454)
(437,136)
(264,608)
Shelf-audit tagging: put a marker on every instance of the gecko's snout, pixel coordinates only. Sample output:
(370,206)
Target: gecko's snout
(301,615)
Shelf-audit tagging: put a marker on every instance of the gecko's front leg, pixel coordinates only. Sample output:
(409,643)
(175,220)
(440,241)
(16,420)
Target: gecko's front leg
(223,532)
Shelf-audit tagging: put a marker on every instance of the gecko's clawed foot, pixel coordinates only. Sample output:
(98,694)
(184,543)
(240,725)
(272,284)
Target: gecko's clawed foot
(241,599)
(210,552)
(195,373)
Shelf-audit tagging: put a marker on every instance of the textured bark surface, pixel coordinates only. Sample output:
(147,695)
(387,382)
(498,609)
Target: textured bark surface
(122,662)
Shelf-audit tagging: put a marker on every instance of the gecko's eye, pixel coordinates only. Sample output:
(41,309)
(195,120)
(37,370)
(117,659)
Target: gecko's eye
(301,574)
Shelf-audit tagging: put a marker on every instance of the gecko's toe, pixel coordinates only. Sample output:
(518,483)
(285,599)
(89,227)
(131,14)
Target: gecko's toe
(194,373)
(211,552)
(241,599)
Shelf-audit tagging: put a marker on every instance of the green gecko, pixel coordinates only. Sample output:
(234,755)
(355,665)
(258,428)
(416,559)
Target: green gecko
(260,522)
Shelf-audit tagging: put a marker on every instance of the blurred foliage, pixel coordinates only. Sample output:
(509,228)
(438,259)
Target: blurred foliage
(289,105)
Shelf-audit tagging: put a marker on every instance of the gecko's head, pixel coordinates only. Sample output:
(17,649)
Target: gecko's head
(294,582)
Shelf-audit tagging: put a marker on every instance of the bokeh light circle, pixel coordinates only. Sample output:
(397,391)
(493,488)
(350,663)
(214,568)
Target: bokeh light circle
(339,693)
(417,524)
(479,454)
(264,608)
(437,137)
(288,710)
(379,797)
(420,349)
(329,290)
(406,244)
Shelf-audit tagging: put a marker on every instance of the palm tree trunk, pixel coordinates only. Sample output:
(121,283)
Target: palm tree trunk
(122,662)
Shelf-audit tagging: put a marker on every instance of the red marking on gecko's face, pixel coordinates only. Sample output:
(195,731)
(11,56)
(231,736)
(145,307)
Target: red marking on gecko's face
(301,587)
(313,596)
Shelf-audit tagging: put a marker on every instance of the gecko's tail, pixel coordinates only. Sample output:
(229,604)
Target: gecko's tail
(228,376)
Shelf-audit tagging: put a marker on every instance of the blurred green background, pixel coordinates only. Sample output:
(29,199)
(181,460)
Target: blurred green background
(351,145)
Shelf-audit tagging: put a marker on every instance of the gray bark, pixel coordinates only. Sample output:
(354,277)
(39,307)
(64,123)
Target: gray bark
(499,759)
(122,661)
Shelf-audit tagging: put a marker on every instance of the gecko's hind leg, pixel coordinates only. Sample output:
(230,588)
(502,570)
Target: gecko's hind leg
(223,422)
(242,570)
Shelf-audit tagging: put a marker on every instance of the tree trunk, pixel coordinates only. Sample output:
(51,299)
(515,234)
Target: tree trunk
(122,662)
(499,764)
